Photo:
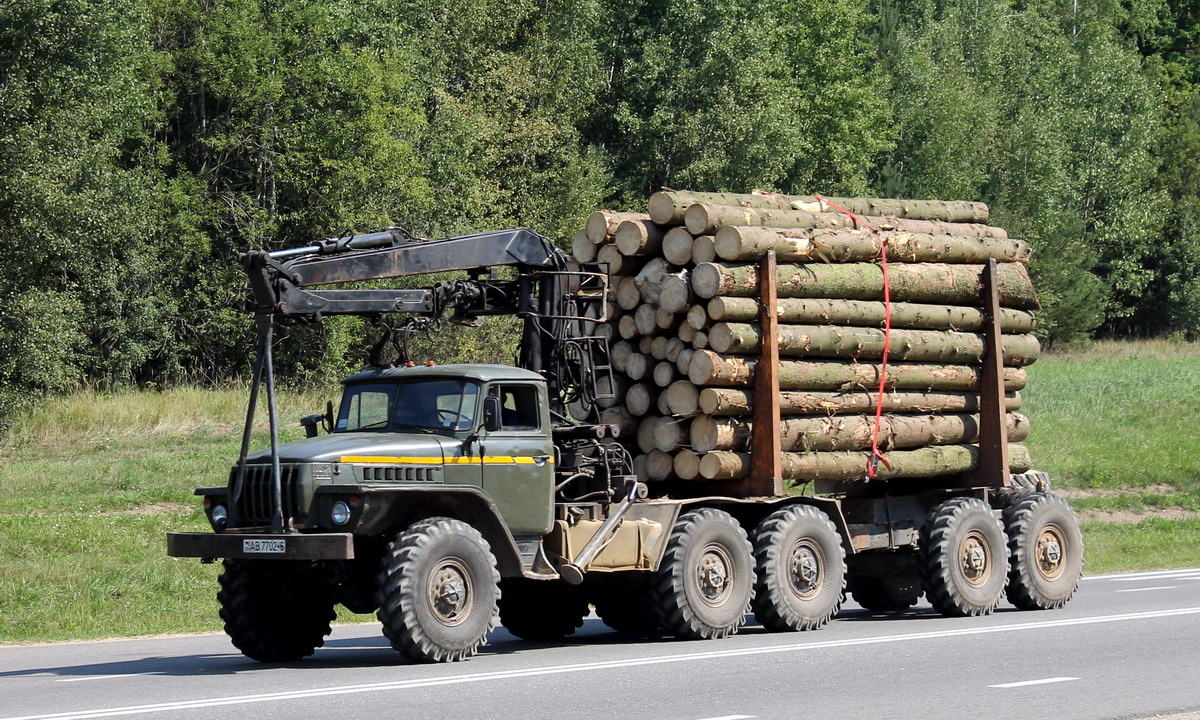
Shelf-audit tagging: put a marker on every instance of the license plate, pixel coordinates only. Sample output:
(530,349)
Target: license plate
(264,546)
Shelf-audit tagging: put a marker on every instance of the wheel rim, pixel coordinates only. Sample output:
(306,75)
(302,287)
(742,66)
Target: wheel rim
(975,559)
(713,575)
(1049,552)
(806,570)
(451,594)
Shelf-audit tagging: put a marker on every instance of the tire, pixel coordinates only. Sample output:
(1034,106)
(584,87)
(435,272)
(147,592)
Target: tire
(438,591)
(276,610)
(800,569)
(1045,552)
(703,586)
(887,582)
(964,558)
(624,602)
(542,610)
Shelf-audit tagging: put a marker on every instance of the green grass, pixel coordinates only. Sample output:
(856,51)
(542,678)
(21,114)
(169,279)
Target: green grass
(91,484)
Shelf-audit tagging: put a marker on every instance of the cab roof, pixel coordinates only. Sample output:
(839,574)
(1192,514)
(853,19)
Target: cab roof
(482,373)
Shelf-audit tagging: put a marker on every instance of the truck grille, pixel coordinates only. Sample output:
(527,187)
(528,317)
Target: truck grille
(255,506)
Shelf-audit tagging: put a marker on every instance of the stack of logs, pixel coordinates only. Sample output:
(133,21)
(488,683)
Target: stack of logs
(684,334)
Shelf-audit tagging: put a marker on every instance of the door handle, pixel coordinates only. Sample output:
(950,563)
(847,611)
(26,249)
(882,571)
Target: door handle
(540,459)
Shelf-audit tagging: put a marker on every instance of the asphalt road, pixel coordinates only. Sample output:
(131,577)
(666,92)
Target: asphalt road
(1126,646)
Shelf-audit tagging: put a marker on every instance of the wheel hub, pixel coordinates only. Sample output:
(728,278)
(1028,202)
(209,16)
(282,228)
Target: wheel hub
(450,594)
(975,559)
(805,570)
(1049,552)
(713,575)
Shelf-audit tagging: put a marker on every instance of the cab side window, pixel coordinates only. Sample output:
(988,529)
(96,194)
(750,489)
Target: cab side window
(519,407)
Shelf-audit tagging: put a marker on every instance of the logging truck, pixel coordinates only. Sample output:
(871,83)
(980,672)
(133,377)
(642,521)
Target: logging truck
(445,498)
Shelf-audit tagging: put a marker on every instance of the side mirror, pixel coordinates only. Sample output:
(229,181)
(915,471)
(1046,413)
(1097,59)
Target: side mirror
(491,413)
(310,423)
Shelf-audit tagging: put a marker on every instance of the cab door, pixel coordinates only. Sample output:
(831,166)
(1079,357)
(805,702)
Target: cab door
(518,459)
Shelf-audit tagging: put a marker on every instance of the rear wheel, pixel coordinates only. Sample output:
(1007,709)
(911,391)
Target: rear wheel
(964,558)
(1045,552)
(541,609)
(801,569)
(276,610)
(703,586)
(438,591)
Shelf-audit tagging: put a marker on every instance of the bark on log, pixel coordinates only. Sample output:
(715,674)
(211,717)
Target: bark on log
(942,346)
(638,237)
(677,246)
(640,399)
(706,218)
(683,398)
(849,432)
(738,401)
(602,224)
(743,244)
(935,283)
(868,313)
(848,465)
(670,206)
(582,248)
(710,368)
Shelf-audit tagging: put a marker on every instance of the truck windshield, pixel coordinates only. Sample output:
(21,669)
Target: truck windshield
(435,404)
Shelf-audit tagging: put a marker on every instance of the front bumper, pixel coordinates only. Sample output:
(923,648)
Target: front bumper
(262,546)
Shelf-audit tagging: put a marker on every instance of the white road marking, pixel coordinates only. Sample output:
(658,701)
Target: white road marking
(1157,587)
(107,677)
(1026,683)
(1134,577)
(594,666)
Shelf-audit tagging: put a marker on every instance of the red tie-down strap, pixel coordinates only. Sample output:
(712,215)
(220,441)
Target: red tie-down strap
(876,455)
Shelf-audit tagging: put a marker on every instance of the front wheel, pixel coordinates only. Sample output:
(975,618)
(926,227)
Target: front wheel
(276,610)
(1045,552)
(801,569)
(438,591)
(703,586)
(964,558)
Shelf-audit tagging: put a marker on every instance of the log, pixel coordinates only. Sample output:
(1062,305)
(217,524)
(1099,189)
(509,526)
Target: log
(659,465)
(706,218)
(644,318)
(686,465)
(700,340)
(645,433)
(676,294)
(849,432)
(670,434)
(703,250)
(869,313)
(677,246)
(942,346)
(664,374)
(849,465)
(739,401)
(649,279)
(602,224)
(686,333)
(612,386)
(628,295)
(645,342)
(683,363)
(665,320)
(697,317)
(683,398)
(709,368)
(637,366)
(658,348)
(639,468)
(617,263)
(582,248)
(625,422)
(619,353)
(661,404)
(640,399)
(638,237)
(670,206)
(737,243)
(627,327)
(936,283)
(674,347)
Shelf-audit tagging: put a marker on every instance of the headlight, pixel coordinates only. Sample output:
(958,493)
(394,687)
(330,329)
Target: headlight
(340,514)
(219,515)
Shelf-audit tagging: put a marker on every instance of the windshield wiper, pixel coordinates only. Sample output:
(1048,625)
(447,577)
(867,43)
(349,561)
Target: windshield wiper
(423,428)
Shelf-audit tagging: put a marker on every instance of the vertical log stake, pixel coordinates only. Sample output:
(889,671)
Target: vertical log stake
(766,464)
(992,470)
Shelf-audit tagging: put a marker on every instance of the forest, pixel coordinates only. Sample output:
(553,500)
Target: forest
(144,143)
